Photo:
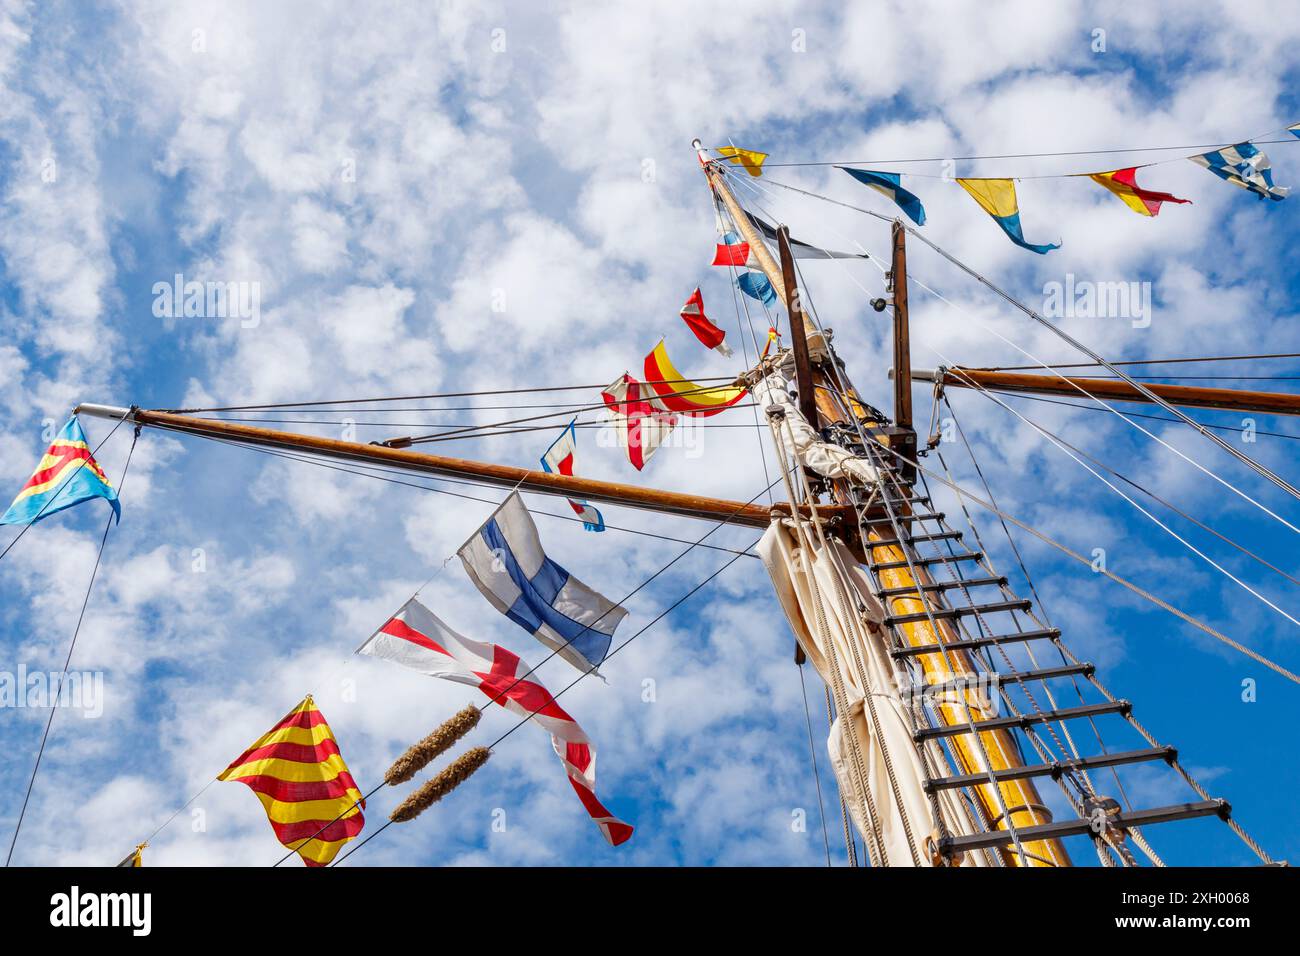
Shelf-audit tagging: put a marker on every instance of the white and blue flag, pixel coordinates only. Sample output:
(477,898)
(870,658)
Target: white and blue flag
(505,560)
(1243,165)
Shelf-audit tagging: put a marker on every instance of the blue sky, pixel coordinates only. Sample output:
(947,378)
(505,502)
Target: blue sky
(386,176)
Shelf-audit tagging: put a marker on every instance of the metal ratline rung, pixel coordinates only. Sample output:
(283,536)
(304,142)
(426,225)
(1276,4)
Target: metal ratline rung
(1024,720)
(951,613)
(945,586)
(1085,669)
(974,642)
(1064,828)
(915,539)
(926,562)
(1055,769)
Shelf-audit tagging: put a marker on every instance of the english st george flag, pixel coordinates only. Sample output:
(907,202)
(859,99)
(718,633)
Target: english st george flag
(414,637)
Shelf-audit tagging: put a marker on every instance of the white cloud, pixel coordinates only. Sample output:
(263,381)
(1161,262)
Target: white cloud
(382,177)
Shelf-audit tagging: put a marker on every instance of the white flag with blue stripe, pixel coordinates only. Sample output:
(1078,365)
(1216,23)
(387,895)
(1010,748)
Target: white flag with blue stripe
(505,560)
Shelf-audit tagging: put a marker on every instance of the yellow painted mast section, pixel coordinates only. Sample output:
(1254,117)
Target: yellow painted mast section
(1020,797)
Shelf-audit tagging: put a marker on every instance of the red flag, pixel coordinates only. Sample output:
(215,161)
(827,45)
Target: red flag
(702,326)
(733,251)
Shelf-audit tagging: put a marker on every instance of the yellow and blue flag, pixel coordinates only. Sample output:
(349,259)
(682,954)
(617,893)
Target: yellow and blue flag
(66,476)
(997,197)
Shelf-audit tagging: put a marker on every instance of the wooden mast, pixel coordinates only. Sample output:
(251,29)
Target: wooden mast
(1228,399)
(902,357)
(1019,796)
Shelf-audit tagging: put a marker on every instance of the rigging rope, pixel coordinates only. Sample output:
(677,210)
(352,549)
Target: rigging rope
(1024,571)
(1259,140)
(812,757)
(23,530)
(409,398)
(1165,361)
(72,646)
(1066,550)
(1050,436)
(496,743)
(1157,418)
(1075,385)
(380,474)
(506,690)
(1241,456)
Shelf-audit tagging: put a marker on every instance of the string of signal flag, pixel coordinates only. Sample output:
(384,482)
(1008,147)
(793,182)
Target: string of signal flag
(1243,165)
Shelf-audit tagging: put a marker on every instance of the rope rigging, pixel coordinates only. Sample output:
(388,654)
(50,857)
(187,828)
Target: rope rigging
(499,740)
(1059,443)
(1258,140)
(429,395)
(72,646)
(1070,340)
(1054,744)
(381,474)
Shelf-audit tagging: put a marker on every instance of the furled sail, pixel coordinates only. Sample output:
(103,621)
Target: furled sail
(799,439)
(828,600)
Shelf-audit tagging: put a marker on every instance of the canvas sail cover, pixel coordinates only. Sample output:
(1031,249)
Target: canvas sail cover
(827,597)
(799,439)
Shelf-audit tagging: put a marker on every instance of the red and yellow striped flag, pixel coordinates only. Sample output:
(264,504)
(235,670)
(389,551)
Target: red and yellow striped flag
(297,772)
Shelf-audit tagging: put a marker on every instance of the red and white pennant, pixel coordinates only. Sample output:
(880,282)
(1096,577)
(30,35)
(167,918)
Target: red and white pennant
(414,637)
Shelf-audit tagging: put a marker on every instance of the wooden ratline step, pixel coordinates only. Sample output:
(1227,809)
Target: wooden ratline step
(1080,826)
(974,642)
(925,562)
(945,586)
(951,613)
(1025,720)
(922,517)
(926,516)
(916,539)
(1084,669)
(1054,769)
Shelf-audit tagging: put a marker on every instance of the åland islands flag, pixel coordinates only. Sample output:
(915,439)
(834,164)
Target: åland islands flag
(506,562)
(66,476)
(997,197)
(296,770)
(559,460)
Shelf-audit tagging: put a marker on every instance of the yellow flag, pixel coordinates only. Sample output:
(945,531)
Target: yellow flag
(134,859)
(751,159)
(996,196)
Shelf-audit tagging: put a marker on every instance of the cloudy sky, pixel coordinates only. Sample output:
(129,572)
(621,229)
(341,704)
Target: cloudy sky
(462,197)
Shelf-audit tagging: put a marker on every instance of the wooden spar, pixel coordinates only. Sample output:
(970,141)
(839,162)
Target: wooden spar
(501,476)
(803,374)
(1229,399)
(1022,799)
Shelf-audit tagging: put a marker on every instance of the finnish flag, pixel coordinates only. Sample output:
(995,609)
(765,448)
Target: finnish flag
(506,562)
